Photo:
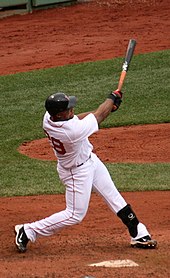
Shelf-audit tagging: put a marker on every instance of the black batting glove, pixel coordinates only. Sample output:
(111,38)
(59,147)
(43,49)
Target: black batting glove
(116,96)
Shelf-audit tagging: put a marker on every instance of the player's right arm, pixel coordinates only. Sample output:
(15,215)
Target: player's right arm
(82,115)
(111,104)
(101,113)
(103,110)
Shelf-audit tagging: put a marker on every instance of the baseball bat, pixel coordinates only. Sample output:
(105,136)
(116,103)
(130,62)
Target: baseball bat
(125,66)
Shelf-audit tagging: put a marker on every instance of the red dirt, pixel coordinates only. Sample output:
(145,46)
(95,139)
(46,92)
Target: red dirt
(87,32)
(100,237)
(138,144)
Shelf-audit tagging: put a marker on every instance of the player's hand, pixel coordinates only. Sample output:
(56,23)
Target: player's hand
(116,96)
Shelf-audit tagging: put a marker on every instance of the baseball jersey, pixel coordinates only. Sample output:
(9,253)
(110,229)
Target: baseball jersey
(69,139)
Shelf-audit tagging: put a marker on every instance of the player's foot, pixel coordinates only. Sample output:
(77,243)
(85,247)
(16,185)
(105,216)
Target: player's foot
(21,239)
(144,242)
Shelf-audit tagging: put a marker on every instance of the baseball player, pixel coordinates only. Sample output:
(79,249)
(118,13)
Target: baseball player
(81,171)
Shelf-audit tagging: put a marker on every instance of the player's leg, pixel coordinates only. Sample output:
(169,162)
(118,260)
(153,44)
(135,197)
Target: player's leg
(140,236)
(104,185)
(78,191)
(107,189)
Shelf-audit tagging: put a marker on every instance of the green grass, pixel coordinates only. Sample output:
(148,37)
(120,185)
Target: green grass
(22,96)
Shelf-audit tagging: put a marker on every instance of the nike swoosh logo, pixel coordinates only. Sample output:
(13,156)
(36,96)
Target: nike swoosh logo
(20,238)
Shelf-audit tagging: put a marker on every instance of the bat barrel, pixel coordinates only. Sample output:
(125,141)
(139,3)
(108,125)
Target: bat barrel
(125,67)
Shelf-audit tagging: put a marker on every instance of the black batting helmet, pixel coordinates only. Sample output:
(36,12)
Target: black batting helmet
(59,102)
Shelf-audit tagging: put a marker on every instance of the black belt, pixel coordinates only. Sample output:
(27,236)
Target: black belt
(84,161)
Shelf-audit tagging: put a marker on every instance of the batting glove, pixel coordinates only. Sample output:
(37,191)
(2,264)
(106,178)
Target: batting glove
(116,96)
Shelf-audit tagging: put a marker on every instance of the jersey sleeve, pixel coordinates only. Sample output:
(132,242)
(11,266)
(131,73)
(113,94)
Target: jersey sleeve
(85,127)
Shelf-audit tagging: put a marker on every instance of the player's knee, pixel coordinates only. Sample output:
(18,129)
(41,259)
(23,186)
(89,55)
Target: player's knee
(79,216)
(129,218)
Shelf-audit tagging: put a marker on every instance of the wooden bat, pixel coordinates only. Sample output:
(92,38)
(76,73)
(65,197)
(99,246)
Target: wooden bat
(125,66)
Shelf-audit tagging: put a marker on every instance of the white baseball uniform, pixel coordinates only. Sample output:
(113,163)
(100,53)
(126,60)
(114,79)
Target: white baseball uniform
(81,171)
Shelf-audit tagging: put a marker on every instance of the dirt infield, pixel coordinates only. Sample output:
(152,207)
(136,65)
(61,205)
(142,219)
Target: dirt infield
(100,237)
(88,31)
(145,144)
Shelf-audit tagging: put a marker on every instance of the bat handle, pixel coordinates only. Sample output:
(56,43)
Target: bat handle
(121,80)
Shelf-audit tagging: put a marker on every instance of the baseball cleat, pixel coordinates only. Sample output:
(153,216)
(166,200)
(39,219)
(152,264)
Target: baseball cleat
(144,242)
(21,239)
